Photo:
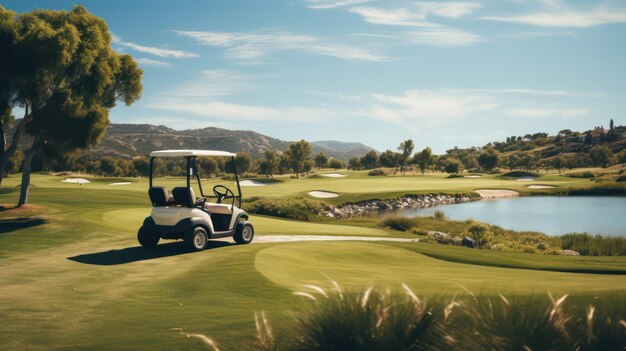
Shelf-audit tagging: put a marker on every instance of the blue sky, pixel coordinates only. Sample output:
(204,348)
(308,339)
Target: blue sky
(442,73)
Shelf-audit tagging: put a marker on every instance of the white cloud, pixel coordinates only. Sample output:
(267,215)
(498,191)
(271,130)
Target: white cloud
(428,105)
(257,46)
(152,50)
(546,112)
(567,17)
(426,32)
(150,62)
(444,37)
(331,4)
(527,91)
(213,84)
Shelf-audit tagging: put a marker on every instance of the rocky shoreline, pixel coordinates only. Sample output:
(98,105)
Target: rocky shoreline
(405,202)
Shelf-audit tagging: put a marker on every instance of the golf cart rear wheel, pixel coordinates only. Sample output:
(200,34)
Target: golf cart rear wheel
(196,239)
(146,237)
(244,233)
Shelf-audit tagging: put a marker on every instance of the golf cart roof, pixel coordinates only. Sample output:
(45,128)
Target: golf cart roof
(187,153)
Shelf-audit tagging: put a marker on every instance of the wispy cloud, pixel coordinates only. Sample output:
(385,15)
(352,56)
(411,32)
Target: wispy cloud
(258,46)
(443,36)
(527,91)
(152,50)
(213,84)
(566,17)
(150,62)
(546,112)
(426,31)
(331,4)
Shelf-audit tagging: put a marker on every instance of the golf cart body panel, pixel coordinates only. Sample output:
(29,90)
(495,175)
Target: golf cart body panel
(178,214)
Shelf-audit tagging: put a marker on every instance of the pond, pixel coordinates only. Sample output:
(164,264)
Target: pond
(553,215)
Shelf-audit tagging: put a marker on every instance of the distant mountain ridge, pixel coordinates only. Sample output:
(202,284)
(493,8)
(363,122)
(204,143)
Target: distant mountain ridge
(130,140)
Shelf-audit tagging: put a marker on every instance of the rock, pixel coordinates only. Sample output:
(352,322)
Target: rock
(569,253)
(439,235)
(469,242)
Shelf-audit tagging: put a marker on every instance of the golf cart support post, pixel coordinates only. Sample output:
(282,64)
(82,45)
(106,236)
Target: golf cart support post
(190,156)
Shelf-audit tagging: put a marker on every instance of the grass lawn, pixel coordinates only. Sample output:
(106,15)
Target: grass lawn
(74,278)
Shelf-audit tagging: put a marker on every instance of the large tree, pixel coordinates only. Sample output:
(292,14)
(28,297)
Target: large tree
(370,160)
(321,160)
(298,153)
(488,159)
(59,67)
(423,159)
(405,149)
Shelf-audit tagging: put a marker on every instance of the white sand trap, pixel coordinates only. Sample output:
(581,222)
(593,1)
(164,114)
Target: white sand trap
(251,183)
(120,183)
(76,181)
(538,186)
(525,179)
(323,194)
(495,194)
(334,175)
(472,176)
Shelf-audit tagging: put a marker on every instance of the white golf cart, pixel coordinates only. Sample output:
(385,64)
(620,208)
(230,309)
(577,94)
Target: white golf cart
(180,215)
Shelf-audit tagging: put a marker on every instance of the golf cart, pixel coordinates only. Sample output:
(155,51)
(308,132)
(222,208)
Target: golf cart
(178,214)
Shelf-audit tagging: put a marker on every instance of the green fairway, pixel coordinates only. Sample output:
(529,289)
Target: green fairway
(73,276)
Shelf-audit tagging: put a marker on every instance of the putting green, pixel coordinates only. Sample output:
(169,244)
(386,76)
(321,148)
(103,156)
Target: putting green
(358,264)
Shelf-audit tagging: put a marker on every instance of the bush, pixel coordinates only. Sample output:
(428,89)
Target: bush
(518,174)
(621,178)
(585,174)
(377,172)
(480,233)
(454,175)
(439,214)
(398,222)
(297,208)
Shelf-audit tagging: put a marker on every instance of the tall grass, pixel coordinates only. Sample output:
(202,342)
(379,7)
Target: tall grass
(384,319)
(594,245)
(508,240)
(296,208)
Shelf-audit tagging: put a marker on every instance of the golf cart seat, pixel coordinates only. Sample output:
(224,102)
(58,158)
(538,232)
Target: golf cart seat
(218,208)
(184,196)
(159,196)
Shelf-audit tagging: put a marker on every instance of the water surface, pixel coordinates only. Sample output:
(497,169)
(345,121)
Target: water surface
(552,215)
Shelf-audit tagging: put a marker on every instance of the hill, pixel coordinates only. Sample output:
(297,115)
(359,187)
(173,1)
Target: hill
(130,140)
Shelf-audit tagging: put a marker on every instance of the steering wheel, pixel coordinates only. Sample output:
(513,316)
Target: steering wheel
(222,193)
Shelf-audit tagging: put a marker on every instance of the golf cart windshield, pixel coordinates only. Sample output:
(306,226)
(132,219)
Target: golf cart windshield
(192,170)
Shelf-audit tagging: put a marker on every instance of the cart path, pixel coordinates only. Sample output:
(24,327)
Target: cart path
(292,238)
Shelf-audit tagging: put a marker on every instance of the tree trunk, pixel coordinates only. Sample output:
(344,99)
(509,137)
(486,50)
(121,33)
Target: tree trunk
(6,154)
(25,186)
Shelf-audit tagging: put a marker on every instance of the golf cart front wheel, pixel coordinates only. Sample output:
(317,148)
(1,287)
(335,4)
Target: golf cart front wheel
(146,237)
(244,233)
(196,239)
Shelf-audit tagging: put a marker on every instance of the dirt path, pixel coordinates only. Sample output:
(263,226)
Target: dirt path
(292,238)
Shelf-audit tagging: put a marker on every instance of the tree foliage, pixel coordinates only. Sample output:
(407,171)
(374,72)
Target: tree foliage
(59,66)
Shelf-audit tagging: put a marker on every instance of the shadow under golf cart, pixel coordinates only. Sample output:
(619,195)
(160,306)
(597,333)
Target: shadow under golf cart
(139,253)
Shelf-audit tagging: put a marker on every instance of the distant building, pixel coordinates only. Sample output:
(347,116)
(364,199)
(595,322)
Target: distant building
(597,134)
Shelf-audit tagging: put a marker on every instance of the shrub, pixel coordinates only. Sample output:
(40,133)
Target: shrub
(297,208)
(518,174)
(621,178)
(584,174)
(439,214)
(377,172)
(480,233)
(398,222)
(454,175)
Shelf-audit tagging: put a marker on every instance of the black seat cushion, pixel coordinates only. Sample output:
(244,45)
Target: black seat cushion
(184,196)
(159,196)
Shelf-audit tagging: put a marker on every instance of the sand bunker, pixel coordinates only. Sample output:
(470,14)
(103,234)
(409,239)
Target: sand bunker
(120,183)
(323,194)
(334,175)
(472,176)
(539,186)
(525,179)
(251,183)
(494,194)
(76,181)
